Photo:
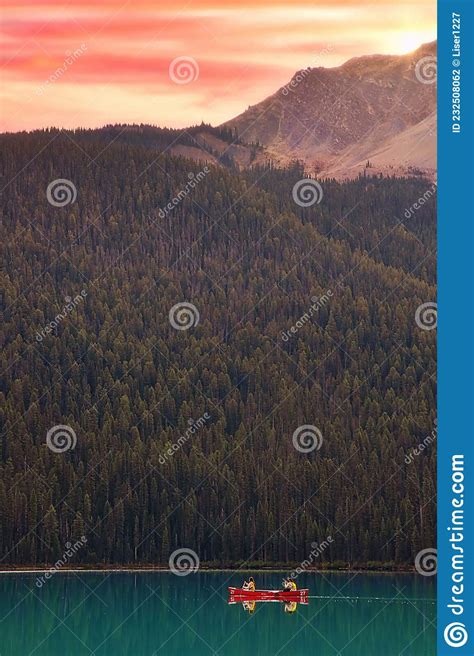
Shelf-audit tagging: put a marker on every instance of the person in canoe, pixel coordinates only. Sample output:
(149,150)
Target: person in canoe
(249,585)
(289,585)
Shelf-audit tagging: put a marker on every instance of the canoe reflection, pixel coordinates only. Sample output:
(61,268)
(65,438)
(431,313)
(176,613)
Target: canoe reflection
(288,606)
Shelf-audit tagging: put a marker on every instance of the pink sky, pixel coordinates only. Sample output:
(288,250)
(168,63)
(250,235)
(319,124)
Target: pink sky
(75,63)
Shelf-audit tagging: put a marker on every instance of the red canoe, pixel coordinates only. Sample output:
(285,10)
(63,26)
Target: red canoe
(239,595)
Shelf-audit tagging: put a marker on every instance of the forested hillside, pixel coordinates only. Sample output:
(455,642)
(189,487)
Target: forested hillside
(129,384)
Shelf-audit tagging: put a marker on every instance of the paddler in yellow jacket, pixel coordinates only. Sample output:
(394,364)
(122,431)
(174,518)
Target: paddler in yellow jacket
(289,585)
(249,585)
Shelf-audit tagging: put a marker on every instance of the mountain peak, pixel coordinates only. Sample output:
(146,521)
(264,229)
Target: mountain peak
(378,59)
(372,108)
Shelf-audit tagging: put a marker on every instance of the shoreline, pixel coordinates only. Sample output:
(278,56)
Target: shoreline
(91,569)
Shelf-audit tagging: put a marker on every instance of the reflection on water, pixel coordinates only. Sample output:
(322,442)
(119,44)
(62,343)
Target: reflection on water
(159,613)
(251,606)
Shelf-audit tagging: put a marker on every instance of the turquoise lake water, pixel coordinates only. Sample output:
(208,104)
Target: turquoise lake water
(138,614)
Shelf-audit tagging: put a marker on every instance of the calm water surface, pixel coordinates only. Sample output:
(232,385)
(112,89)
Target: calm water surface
(137,614)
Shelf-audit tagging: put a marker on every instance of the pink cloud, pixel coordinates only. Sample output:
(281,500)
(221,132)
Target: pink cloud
(241,51)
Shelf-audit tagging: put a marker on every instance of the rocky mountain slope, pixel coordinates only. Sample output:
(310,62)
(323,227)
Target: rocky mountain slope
(377,108)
